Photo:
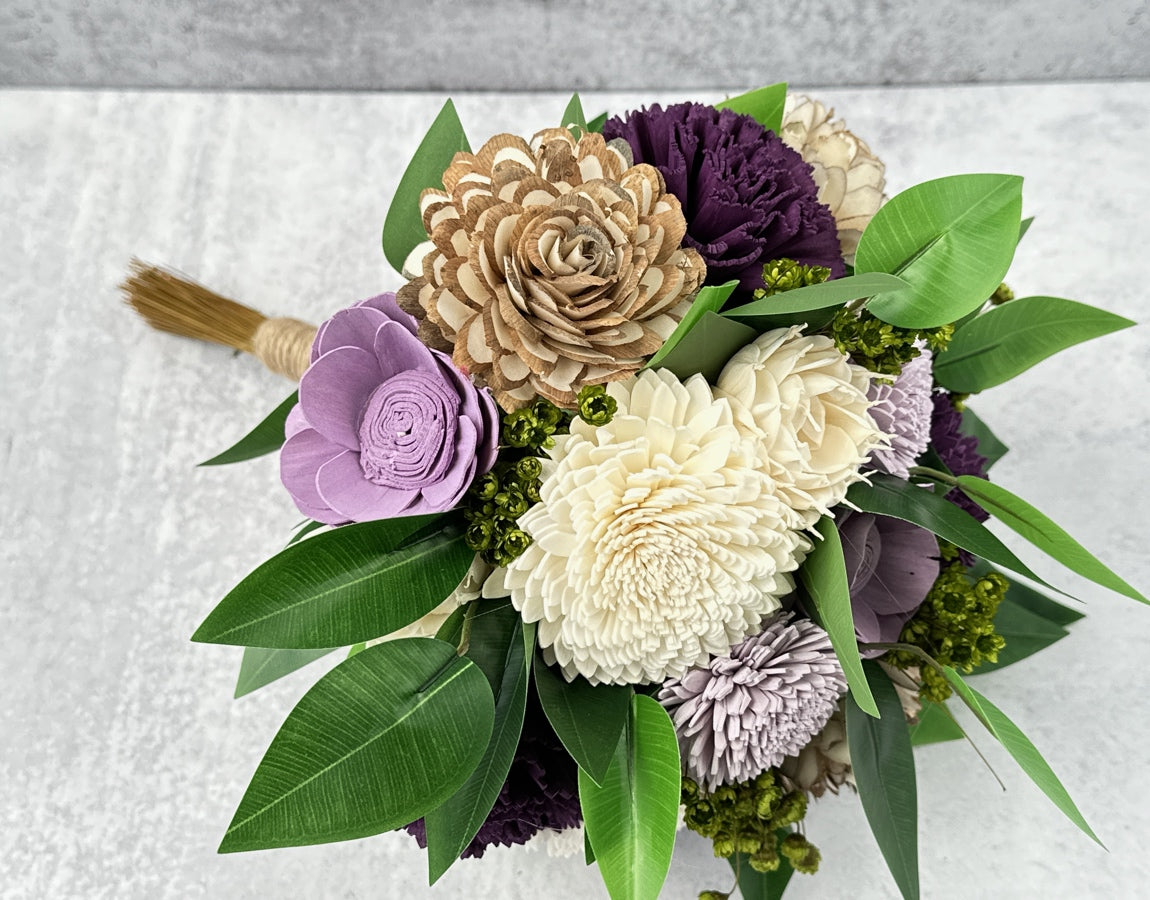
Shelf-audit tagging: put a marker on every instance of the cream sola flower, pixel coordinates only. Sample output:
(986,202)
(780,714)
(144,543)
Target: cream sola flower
(851,179)
(659,539)
(807,404)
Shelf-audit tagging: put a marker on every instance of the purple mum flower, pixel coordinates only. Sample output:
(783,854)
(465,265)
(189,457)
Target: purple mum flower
(541,791)
(747,197)
(384,426)
(891,566)
(902,410)
(958,452)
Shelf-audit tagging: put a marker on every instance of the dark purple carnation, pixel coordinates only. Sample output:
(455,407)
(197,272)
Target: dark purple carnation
(958,452)
(541,791)
(747,197)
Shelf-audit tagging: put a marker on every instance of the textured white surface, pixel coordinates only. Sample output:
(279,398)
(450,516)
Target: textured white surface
(122,754)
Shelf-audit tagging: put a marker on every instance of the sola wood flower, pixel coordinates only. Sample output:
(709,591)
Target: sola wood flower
(807,404)
(902,409)
(825,763)
(748,197)
(556,264)
(658,540)
(748,710)
(850,177)
(384,426)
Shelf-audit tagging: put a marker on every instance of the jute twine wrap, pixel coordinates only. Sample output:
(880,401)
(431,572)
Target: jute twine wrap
(170,302)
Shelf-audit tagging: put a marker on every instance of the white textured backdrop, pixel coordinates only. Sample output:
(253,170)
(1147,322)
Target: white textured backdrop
(122,754)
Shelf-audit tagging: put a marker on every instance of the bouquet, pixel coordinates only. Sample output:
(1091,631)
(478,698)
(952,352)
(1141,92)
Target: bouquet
(653,497)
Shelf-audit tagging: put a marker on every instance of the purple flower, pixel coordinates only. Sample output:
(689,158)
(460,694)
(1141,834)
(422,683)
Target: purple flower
(902,409)
(958,452)
(541,791)
(384,426)
(891,566)
(748,198)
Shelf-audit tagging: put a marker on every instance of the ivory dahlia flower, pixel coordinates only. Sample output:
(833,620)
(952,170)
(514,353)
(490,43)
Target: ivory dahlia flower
(658,541)
(806,403)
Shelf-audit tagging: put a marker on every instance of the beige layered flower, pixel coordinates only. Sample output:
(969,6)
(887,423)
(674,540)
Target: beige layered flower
(850,177)
(658,541)
(806,403)
(556,264)
(825,763)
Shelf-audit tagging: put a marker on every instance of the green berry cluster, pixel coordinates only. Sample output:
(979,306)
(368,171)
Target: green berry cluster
(495,502)
(745,818)
(1002,294)
(880,346)
(781,275)
(955,625)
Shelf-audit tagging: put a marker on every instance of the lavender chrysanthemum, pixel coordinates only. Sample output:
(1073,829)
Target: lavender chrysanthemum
(541,790)
(902,410)
(764,701)
(958,451)
(748,198)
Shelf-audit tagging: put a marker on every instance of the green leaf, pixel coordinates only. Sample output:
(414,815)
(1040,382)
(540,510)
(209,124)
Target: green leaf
(707,347)
(267,437)
(304,530)
(1020,747)
(573,114)
(1040,530)
(824,575)
(764,105)
(632,817)
(1024,227)
(596,124)
(381,740)
(952,239)
(356,648)
(935,726)
(709,299)
(588,719)
(352,584)
(818,296)
(988,443)
(403,228)
(882,760)
(452,628)
(1025,634)
(890,496)
(762,885)
(502,647)
(1009,339)
(261,666)
(588,850)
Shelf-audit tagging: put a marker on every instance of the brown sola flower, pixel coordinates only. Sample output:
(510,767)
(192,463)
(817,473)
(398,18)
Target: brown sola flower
(556,264)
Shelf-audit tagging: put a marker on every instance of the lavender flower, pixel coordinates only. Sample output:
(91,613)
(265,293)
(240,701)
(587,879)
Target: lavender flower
(902,410)
(748,198)
(384,426)
(747,711)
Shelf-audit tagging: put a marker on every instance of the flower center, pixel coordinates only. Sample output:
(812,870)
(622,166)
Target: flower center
(407,431)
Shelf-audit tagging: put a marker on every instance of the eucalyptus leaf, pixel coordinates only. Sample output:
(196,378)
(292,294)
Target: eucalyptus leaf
(707,347)
(632,817)
(403,228)
(824,575)
(951,239)
(1043,532)
(1019,746)
(709,299)
(762,885)
(764,105)
(573,114)
(988,443)
(379,741)
(882,761)
(502,647)
(890,496)
(935,726)
(262,665)
(352,584)
(1009,339)
(818,296)
(267,437)
(587,719)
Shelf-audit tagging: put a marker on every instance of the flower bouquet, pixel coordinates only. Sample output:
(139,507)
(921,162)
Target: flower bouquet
(651,498)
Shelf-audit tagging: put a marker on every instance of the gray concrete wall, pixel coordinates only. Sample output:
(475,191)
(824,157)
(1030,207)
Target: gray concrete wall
(545,44)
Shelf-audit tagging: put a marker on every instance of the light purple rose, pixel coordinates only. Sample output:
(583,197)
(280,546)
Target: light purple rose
(891,567)
(384,426)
